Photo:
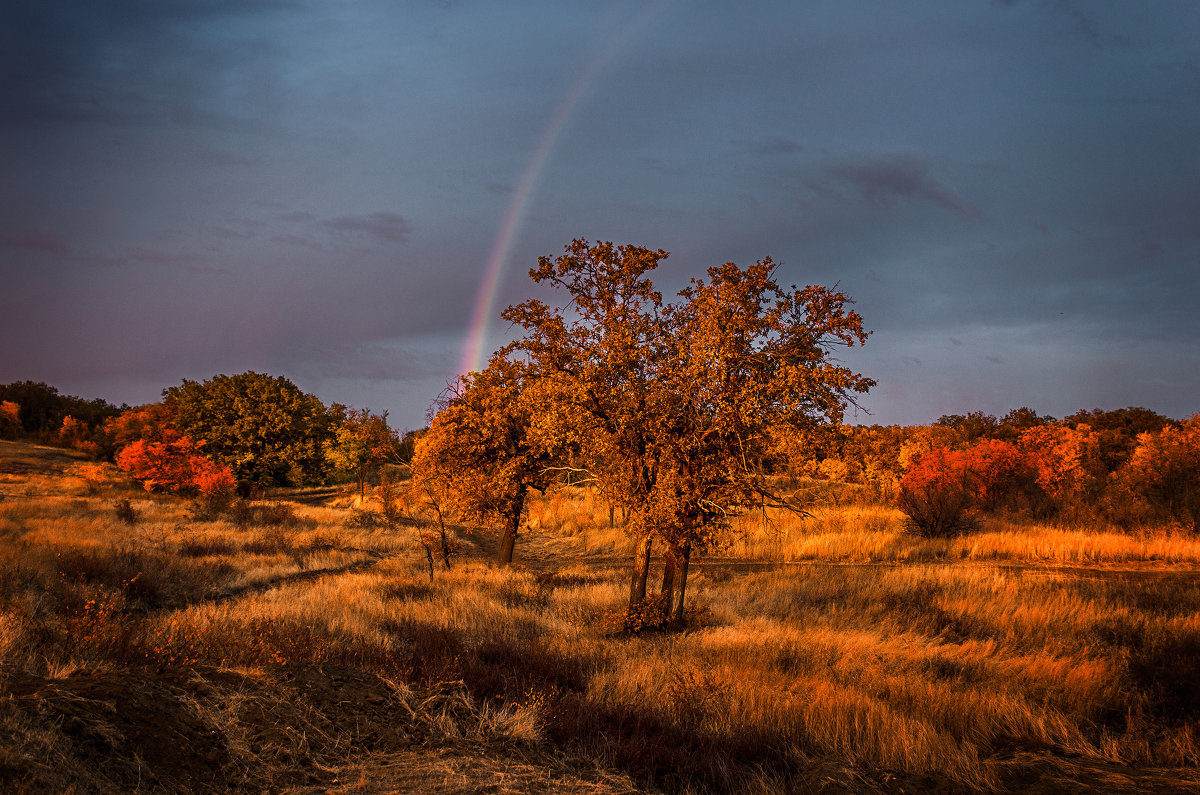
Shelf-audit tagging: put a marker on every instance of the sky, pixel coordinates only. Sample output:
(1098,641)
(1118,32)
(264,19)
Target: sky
(335,192)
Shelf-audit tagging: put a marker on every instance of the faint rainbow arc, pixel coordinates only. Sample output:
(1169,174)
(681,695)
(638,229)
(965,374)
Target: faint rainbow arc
(515,212)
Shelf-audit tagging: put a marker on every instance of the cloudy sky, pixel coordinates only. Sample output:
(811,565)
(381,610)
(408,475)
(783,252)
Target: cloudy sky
(1009,190)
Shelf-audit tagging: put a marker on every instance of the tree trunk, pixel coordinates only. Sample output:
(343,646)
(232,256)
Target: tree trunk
(641,570)
(445,542)
(668,580)
(685,556)
(507,542)
(428,558)
(505,554)
(612,516)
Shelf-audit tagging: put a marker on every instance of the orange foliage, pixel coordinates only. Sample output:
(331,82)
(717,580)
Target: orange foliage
(943,485)
(77,435)
(935,494)
(148,422)
(1060,468)
(1162,477)
(214,480)
(999,473)
(174,464)
(993,473)
(673,404)
(1066,462)
(362,442)
(485,450)
(941,467)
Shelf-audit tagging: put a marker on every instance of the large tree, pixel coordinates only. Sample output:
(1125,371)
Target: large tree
(677,402)
(485,449)
(265,429)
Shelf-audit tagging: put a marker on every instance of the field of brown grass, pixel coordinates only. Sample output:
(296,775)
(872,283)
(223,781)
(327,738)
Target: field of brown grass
(301,647)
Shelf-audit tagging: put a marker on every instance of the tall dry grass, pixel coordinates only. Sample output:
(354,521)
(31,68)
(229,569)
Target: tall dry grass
(843,650)
(846,524)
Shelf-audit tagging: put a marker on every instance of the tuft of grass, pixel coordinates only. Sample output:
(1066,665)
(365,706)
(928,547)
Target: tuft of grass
(125,512)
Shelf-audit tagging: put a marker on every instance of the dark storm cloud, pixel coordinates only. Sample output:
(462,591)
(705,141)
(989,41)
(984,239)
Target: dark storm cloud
(778,146)
(124,62)
(386,226)
(47,242)
(882,180)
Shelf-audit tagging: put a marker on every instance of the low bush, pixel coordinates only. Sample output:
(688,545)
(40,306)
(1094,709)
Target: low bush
(937,494)
(937,510)
(125,512)
(272,514)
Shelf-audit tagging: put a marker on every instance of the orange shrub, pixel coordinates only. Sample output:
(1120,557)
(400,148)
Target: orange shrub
(1001,476)
(175,464)
(942,487)
(214,480)
(77,435)
(151,422)
(936,493)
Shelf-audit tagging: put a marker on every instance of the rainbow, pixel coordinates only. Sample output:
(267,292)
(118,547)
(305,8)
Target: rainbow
(515,212)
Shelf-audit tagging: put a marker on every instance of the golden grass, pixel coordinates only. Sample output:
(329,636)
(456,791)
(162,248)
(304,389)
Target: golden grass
(837,649)
(876,533)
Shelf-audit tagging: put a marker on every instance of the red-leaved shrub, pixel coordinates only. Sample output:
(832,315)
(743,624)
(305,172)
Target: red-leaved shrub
(175,464)
(944,488)
(936,494)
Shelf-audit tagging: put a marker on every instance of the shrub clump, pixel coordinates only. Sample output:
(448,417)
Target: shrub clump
(125,512)
(936,495)
(944,489)
(272,514)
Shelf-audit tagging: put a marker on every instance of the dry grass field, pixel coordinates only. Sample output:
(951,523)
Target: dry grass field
(304,648)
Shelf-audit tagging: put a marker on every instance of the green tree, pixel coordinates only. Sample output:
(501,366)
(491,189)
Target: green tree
(361,443)
(676,402)
(265,429)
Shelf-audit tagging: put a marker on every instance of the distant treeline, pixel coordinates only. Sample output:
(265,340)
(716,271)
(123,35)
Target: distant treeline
(40,410)
(262,429)
(876,455)
(879,455)
(1129,467)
